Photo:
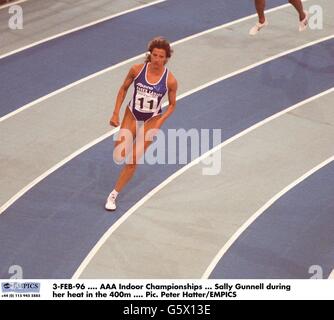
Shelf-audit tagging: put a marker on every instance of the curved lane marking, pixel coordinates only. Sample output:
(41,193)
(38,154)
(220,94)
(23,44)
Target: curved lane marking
(149,195)
(268,204)
(73,84)
(58,35)
(108,134)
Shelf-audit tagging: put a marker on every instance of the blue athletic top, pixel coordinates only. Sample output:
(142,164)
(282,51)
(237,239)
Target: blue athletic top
(147,97)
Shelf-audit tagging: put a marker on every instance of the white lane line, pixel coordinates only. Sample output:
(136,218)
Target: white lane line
(54,168)
(70,157)
(73,84)
(124,217)
(81,27)
(237,234)
(13,113)
(252,66)
(12,4)
(226,25)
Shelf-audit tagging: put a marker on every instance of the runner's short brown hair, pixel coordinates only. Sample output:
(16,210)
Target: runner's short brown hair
(159,43)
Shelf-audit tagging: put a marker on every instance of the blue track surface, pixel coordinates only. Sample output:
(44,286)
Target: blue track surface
(295,233)
(52,228)
(33,73)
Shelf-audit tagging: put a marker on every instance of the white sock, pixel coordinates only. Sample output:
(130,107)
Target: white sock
(114,194)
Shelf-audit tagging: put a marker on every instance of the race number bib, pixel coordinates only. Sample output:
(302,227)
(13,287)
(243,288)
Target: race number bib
(146,104)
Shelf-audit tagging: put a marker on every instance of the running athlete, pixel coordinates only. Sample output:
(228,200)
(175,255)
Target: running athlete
(152,81)
(260,6)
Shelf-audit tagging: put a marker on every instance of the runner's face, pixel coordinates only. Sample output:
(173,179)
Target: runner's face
(158,57)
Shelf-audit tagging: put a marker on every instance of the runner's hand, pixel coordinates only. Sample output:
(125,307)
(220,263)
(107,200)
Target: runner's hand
(114,121)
